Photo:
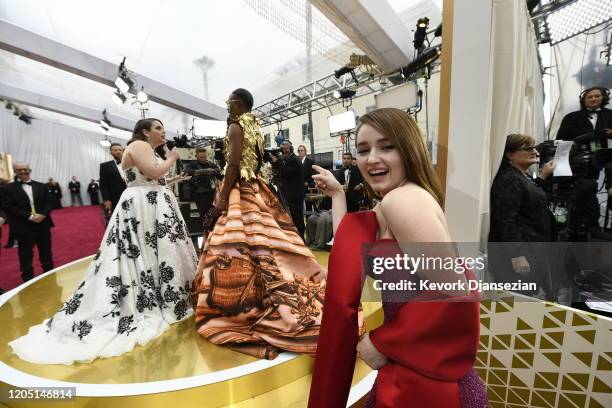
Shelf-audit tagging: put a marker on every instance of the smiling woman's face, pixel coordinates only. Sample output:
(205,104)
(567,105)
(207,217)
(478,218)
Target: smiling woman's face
(379,161)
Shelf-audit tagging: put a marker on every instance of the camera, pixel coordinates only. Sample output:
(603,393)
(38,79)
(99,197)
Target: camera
(271,152)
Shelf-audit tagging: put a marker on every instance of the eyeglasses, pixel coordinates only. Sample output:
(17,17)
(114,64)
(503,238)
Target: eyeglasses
(526,149)
(227,103)
(22,170)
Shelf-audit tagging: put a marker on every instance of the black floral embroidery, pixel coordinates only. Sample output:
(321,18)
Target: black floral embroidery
(147,280)
(97,256)
(125,325)
(97,269)
(166,272)
(72,304)
(180,309)
(83,327)
(145,300)
(171,295)
(152,197)
(130,175)
(167,198)
(161,181)
(48,324)
(125,206)
(132,251)
(151,240)
(119,292)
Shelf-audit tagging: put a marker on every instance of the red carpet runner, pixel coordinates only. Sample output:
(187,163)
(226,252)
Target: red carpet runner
(77,234)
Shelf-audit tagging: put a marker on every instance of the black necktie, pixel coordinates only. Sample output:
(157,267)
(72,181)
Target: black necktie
(29,183)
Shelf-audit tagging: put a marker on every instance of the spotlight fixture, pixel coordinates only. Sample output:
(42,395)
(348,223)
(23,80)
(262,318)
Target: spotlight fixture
(142,97)
(343,71)
(119,98)
(344,94)
(104,124)
(105,143)
(123,81)
(428,56)
(25,118)
(421,33)
(438,32)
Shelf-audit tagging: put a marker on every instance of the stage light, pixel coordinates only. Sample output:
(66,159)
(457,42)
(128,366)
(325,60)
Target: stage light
(142,97)
(421,33)
(576,18)
(344,94)
(25,118)
(105,143)
(343,71)
(119,98)
(104,124)
(428,56)
(124,83)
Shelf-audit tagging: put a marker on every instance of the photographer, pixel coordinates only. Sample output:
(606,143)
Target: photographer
(291,187)
(590,128)
(520,212)
(203,181)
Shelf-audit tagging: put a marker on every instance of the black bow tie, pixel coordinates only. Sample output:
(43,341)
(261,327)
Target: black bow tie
(29,183)
(118,162)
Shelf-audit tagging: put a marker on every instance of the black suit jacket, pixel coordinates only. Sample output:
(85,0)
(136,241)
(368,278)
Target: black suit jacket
(307,171)
(111,182)
(291,177)
(577,123)
(353,198)
(17,206)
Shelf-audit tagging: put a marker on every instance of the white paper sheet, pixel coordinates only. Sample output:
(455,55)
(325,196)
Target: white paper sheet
(562,166)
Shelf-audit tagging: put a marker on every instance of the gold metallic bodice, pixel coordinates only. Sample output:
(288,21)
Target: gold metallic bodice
(253,143)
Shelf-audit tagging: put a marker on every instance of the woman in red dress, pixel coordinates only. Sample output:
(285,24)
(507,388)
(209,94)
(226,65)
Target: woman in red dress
(424,351)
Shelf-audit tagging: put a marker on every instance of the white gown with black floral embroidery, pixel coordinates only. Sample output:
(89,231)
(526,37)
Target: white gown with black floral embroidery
(137,285)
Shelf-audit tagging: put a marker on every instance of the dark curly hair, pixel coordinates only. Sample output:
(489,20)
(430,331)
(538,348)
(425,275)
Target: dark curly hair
(605,92)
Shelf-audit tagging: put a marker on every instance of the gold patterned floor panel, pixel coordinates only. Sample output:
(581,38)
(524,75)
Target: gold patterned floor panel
(179,354)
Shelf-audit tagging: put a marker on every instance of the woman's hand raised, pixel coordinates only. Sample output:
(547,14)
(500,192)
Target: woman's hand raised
(326,182)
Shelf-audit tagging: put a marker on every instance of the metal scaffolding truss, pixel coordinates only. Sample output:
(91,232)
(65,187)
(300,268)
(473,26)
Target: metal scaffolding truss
(319,95)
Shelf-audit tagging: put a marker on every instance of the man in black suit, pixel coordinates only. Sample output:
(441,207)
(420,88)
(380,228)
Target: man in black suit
(112,180)
(75,191)
(351,179)
(307,172)
(292,186)
(92,190)
(28,204)
(591,126)
(203,181)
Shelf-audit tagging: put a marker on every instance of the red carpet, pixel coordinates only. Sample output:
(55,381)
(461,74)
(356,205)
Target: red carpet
(77,234)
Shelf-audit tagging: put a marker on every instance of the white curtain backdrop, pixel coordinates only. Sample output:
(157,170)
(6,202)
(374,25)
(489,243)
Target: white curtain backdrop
(54,150)
(517,98)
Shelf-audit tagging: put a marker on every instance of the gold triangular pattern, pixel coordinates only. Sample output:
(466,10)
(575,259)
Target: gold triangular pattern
(600,386)
(495,363)
(499,393)
(549,396)
(554,357)
(514,398)
(557,337)
(520,344)
(581,379)
(540,382)
(548,323)
(485,304)
(565,403)
(516,382)
(527,357)
(569,385)
(579,398)
(538,401)
(509,301)
(485,321)
(529,338)
(483,358)
(518,363)
(586,358)
(497,344)
(593,403)
(500,308)
(578,320)
(523,394)
(506,339)
(521,325)
(546,344)
(484,341)
(559,315)
(551,377)
(498,377)
(603,364)
(588,335)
